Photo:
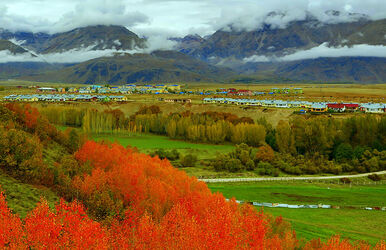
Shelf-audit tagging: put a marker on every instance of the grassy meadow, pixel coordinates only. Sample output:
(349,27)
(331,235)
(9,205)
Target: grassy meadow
(308,223)
(22,197)
(312,223)
(148,143)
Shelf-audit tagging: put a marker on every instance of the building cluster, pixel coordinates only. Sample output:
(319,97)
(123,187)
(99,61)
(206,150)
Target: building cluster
(311,106)
(165,89)
(65,98)
(125,89)
(246,92)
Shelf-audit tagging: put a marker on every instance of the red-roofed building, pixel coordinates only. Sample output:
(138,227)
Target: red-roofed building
(341,107)
(244,92)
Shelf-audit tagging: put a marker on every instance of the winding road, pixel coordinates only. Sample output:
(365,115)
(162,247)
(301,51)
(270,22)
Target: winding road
(290,178)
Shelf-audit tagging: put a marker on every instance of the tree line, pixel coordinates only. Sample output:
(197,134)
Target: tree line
(116,197)
(308,145)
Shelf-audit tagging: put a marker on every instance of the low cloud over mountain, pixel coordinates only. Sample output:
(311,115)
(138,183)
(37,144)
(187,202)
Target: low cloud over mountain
(237,34)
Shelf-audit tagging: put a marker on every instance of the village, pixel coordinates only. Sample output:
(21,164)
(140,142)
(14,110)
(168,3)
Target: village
(316,107)
(231,96)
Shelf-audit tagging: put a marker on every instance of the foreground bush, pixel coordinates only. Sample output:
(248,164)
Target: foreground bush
(140,202)
(375,177)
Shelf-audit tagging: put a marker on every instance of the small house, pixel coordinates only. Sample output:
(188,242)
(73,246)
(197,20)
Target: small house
(318,108)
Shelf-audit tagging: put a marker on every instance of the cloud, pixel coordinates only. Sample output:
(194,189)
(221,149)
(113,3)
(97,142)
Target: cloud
(70,56)
(159,43)
(84,54)
(256,58)
(250,14)
(7,56)
(74,15)
(182,17)
(360,50)
(94,12)
(324,51)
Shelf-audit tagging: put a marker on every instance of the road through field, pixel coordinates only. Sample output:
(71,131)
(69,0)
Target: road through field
(290,178)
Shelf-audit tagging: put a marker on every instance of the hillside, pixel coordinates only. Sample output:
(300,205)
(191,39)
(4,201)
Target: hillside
(344,69)
(165,66)
(19,69)
(32,41)
(11,47)
(372,33)
(214,58)
(97,37)
(340,69)
(270,40)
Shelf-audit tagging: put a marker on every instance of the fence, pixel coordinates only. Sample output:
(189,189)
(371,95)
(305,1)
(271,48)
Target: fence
(311,179)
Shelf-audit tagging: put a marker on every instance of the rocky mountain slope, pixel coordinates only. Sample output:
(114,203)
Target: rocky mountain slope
(97,37)
(158,66)
(206,58)
(11,47)
(297,35)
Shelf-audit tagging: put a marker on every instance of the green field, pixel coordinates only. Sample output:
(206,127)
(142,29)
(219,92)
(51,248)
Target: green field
(21,197)
(319,223)
(149,143)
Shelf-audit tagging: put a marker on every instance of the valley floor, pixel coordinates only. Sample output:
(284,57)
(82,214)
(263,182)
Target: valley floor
(312,223)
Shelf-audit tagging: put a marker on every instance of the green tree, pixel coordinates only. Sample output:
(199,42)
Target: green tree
(344,152)
(188,160)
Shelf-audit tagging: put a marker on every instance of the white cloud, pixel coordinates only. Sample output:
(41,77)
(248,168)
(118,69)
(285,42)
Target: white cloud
(360,50)
(8,56)
(324,51)
(117,42)
(66,15)
(159,43)
(179,16)
(256,58)
(84,54)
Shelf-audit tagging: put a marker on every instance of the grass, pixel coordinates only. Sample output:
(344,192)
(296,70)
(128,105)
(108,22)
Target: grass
(148,143)
(322,223)
(304,193)
(21,197)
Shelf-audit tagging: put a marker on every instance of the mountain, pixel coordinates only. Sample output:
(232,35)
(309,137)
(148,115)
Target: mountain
(347,69)
(12,70)
(11,47)
(188,43)
(373,33)
(158,66)
(32,41)
(270,40)
(215,58)
(97,37)
(340,69)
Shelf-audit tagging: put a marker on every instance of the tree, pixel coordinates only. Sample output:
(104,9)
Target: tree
(171,129)
(188,160)
(284,138)
(343,152)
(234,165)
(265,153)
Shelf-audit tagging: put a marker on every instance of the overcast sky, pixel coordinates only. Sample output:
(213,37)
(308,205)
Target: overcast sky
(171,18)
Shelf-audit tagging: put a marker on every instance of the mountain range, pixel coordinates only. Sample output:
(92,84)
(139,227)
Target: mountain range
(229,54)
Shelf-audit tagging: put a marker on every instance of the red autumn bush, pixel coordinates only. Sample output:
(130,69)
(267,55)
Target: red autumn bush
(145,203)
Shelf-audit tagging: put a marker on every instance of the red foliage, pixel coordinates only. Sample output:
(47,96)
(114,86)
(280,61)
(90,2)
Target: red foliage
(27,114)
(167,208)
(164,208)
(68,226)
(11,230)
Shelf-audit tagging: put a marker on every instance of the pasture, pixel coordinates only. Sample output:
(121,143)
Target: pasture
(147,143)
(21,197)
(354,224)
